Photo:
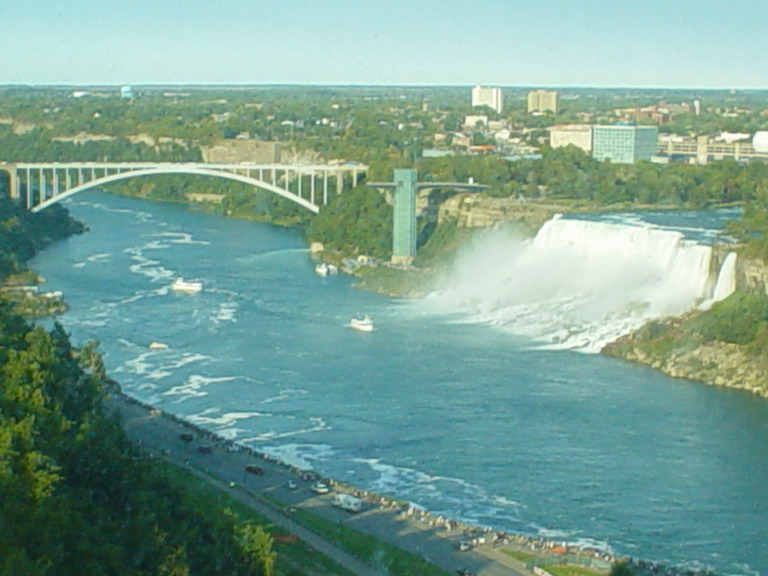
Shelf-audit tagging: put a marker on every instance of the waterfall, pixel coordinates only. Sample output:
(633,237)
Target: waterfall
(726,282)
(577,284)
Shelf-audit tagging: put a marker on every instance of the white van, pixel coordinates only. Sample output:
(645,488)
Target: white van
(347,502)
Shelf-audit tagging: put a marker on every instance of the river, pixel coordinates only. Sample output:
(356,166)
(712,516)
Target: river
(459,415)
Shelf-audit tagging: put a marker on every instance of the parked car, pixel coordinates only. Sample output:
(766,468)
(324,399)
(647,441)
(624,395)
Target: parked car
(205,449)
(254,469)
(463,545)
(291,485)
(320,487)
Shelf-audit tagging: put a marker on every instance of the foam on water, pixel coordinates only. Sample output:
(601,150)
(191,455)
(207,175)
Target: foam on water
(194,387)
(301,456)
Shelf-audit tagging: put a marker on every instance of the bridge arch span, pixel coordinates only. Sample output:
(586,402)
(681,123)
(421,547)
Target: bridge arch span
(199,171)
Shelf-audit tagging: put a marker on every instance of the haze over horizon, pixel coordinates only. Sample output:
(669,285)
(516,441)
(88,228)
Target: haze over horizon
(698,44)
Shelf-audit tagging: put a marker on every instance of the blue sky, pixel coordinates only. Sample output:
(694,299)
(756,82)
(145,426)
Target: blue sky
(653,43)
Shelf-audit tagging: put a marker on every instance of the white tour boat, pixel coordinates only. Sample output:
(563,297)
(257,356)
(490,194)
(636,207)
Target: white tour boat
(181,285)
(322,269)
(365,324)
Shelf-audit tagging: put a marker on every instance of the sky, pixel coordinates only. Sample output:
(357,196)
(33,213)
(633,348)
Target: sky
(601,43)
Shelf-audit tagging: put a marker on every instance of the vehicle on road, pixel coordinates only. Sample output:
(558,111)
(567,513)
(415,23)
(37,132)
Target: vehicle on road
(320,487)
(347,502)
(291,485)
(254,470)
(205,449)
(463,545)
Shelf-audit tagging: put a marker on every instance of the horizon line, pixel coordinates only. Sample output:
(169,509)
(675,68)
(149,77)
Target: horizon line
(366,85)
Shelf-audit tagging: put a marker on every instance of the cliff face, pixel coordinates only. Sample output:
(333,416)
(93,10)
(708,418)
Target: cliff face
(752,276)
(472,211)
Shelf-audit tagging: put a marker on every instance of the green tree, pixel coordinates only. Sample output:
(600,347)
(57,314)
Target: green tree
(255,547)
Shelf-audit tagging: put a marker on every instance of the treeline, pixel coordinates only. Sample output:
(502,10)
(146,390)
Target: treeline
(571,174)
(23,233)
(77,497)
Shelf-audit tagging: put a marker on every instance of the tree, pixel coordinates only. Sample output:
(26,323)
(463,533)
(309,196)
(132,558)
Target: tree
(622,568)
(255,546)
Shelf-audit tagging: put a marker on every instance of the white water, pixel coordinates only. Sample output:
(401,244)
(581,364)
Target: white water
(580,284)
(726,280)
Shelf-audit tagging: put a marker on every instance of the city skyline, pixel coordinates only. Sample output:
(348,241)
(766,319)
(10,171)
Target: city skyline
(553,43)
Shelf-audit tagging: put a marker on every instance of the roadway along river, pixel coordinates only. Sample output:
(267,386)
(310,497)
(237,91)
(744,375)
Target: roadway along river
(457,416)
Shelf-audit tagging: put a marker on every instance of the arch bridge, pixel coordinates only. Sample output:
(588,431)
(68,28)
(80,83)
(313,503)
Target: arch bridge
(41,184)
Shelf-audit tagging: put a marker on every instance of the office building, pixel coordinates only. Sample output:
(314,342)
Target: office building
(579,135)
(491,97)
(541,101)
(624,143)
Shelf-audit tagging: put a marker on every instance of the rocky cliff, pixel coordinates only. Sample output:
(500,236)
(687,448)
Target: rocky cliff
(674,347)
(714,363)
(473,211)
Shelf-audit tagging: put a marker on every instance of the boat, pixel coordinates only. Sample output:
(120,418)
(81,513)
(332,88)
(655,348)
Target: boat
(364,324)
(332,269)
(158,346)
(322,269)
(181,285)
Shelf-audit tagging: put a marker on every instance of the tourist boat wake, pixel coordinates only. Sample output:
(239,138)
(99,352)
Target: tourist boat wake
(181,285)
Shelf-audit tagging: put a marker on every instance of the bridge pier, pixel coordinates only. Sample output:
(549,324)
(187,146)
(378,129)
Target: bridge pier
(13,181)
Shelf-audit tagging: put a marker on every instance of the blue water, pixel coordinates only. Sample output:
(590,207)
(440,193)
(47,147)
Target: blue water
(461,418)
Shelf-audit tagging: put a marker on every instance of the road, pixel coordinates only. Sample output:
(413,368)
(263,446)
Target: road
(160,435)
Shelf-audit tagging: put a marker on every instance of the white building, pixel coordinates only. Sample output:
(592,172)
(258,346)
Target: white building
(475,121)
(491,97)
(579,135)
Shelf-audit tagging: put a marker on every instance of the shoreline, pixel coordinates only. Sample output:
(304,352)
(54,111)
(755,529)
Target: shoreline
(488,543)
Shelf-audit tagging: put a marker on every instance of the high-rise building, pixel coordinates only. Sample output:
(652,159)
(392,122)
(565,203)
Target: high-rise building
(624,143)
(491,97)
(540,101)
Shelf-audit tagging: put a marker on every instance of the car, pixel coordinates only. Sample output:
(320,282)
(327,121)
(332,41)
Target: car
(320,487)
(254,469)
(205,449)
(463,545)
(291,485)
